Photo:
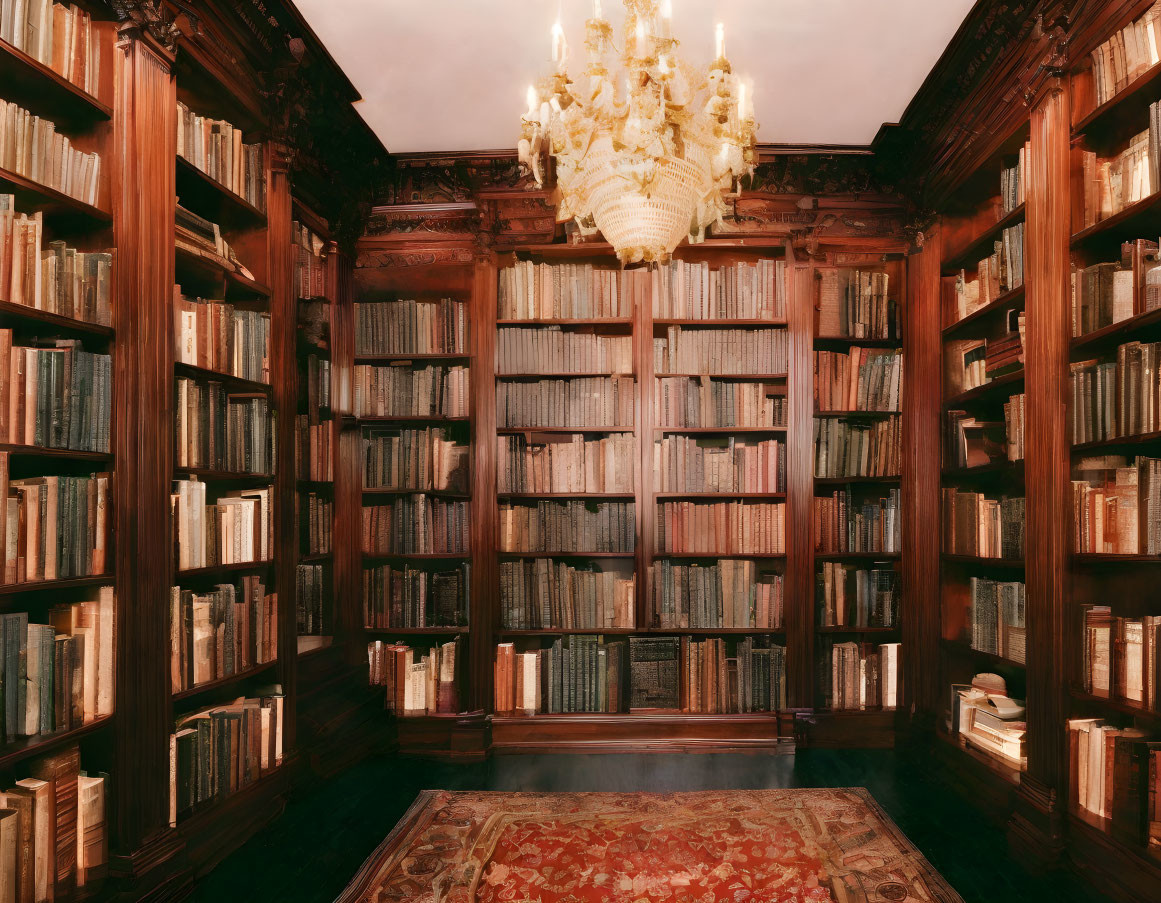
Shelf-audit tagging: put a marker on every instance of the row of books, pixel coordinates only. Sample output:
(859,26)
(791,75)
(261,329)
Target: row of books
(598,402)
(429,458)
(541,594)
(202,239)
(550,349)
(320,520)
(573,291)
(57,35)
(971,363)
(311,600)
(1013,180)
(997,274)
(318,387)
(856,304)
(856,448)
(576,674)
(565,462)
(426,686)
(219,633)
(218,336)
(1112,501)
(1114,398)
(998,624)
(30,146)
(403,596)
(715,683)
(51,276)
(851,596)
(728,593)
(215,147)
(1110,184)
(412,327)
(406,392)
(235,529)
(1126,54)
(313,449)
(683,290)
(721,528)
(980,527)
(568,526)
(973,442)
(53,829)
(721,351)
(310,263)
(57,676)
(719,464)
(218,430)
(55,396)
(684,401)
(1120,656)
(55,527)
(859,676)
(842,525)
(1115,777)
(1104,293)
(866,379)
(416,524)
(217,751)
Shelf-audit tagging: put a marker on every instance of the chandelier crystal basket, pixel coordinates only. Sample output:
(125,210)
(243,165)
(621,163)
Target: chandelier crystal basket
(648,155)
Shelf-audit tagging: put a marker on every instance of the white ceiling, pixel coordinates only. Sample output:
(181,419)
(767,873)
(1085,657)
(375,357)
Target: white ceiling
(451,75)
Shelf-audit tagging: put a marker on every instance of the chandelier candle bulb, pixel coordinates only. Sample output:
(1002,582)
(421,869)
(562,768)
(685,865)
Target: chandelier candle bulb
(597,9)
(558,45)
(641,51)
(721,42)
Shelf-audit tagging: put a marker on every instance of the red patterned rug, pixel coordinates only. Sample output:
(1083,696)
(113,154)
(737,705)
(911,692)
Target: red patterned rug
(743,846)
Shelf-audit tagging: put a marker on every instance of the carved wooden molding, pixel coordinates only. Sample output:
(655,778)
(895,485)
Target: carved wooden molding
(413,257)
(160,21)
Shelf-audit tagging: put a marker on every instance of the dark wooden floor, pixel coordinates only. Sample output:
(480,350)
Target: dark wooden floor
(313,850)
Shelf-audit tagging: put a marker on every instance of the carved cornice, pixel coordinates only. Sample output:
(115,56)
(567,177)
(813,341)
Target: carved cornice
(413,257)
(160,21)
(453,220)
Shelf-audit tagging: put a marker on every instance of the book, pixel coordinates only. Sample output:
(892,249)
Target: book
(857,448)
(577,402)
(313,449)
(683,351)
(857,304)
(432,458)
(218,633)
(684,290)
(1102,294)
(49,275)
(417,524)
(215,429)
(317,375)
(575,674)
(654,673)
(61,36)
(55,395)
(310,263)
(714,682)
(237,528)
(550,349)
(574,291)
(215,335)
(841,525)
(719,464)
(541,594)
(1109,507)
(1113,183)
(215,147)
(972,442)
(312,600)
(728,593)
(405,596)
(860,675)
(1120,656)
(217,751)
(1013,180)
(32,146)
(851,596)
(404,391)
(1115,396)
(865,379)
(981,527)
(1125,55)
(998,624)
(721,528)
(415,687)
(319,524)
(565,462)
(685,401)
(411,327)
(567,526)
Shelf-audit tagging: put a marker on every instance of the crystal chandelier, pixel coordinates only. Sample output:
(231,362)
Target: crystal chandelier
(646,156)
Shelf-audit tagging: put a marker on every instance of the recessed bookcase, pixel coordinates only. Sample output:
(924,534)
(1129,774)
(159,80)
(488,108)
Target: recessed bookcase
(976,218)
(80,109)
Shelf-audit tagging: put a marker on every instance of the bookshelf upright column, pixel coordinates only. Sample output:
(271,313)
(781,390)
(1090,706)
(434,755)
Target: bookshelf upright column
(143,222)
(1041,799)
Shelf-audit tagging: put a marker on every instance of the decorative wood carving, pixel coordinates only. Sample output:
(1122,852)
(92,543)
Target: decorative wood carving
(387,257)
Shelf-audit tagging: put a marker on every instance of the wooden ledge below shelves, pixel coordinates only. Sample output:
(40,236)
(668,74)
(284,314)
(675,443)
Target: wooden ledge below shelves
(857,729)
(986,779)
(464,736)
(642,732)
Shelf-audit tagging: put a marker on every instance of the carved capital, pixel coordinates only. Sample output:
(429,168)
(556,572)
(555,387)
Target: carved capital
(159,22)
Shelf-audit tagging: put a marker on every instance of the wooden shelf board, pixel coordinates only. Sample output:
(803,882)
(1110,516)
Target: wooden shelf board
(838,481)
(718,430)
(1110,558)
(980,246)
(214,686)
(997,386)
(1017,563)
(628,555)
(862,556)
(222,570)
(580,496)
(45,92)
(418,418)
(1124,706)
(756,556)
(237,383)
(1143,217)
(743,377)
(1009,300)
(434,493)
(1003,468)
(32,197)
(10,589)
(858,415)
(521,430)
(566,321)
(566,631)
(1117,442)
(204,267)
(852,629)
(695,496)
(569,374)
(315,485)
(644,631)
(403,358)
(1126,106)
(315,558)
(417,556)
(720,323)
(28,747)
(36,451)
(210,474)
(1115,333)
(70,325)
(849,341)
(211,199)
(417,631)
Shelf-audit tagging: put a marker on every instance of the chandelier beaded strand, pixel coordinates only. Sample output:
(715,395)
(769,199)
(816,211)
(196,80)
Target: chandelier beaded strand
(647,157)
